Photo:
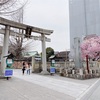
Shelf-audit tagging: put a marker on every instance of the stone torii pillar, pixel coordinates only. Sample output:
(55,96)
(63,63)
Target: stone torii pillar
(44,64)
(5,50)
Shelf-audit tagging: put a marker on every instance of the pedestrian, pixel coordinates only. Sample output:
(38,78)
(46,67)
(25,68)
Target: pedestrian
(23,68)
(28,68)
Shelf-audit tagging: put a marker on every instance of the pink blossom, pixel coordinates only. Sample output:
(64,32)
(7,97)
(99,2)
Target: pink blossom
(91,47)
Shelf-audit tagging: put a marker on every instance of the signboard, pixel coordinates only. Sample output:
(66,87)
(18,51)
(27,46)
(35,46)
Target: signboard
(53,61)
(8,72)
(29,54)
(52,69)
(9,62)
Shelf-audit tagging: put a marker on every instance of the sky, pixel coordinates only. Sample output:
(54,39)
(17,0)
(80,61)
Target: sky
(52,15)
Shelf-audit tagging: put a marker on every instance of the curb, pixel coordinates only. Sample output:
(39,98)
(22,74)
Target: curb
(89,91)
(2,77)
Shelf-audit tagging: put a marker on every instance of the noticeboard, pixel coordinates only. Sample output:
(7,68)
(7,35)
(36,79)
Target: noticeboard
(8,72)
(52,69)
(8,69)
(53,61)
(9,62)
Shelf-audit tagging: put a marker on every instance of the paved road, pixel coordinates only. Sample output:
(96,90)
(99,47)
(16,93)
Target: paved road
(95,95)
(92,93)
(40,87)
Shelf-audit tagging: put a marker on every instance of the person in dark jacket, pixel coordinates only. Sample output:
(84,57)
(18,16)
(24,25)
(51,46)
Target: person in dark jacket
(24,68)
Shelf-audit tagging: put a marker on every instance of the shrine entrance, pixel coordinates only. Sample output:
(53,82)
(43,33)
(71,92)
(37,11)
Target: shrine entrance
(27,30)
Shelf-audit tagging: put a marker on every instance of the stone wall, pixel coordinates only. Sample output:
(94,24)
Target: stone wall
(67,69)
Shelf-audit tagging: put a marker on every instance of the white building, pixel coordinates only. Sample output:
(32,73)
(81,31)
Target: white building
(84,16)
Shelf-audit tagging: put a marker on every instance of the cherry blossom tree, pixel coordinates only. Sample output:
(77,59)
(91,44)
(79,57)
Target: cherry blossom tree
(91,47)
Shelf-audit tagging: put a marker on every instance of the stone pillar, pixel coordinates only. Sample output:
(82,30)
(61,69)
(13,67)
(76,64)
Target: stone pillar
(65,64)
(33,64)
(4,50)
(78,60)
(81,71)
(44,65)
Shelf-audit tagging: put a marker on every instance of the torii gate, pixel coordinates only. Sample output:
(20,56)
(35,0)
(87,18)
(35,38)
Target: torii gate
(8,24)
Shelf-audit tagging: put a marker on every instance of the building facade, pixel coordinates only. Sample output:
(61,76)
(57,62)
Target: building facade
(84,18)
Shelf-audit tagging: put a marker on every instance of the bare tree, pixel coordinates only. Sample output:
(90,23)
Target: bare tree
(9,7)
(18,45)
(14,10)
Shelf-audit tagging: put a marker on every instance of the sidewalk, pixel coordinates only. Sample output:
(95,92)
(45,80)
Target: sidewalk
(41,87)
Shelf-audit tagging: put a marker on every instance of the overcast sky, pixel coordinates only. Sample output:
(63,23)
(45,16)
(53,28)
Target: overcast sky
(53,15)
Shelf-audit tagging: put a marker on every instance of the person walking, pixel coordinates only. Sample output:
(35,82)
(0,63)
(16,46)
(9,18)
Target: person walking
(28,68)
(23,68)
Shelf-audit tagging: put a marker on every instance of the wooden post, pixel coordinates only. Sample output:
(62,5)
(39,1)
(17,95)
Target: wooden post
(87,63)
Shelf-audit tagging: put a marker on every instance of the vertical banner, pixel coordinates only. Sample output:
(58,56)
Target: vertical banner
(52,67)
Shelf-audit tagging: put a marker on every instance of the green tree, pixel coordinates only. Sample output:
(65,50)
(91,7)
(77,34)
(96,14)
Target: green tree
(49,52)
